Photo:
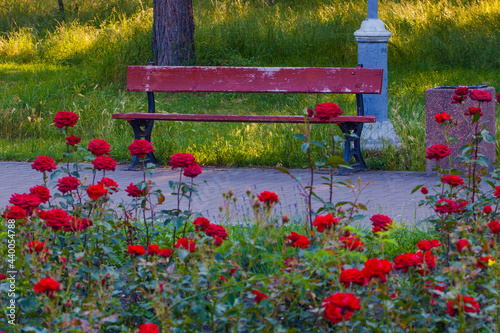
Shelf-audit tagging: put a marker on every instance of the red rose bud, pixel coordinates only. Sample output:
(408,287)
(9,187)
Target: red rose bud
(140,148)
(96,191)
(442,117)
(259,297)
(104,163)
(44,163)
(326,111)
(437,152)
(285,219)
(462,244)
(148,328)
(310,113)
(480,95)
(98,147)
(72,140)
(65,118)
(494,227)
(487,209)
(136,250)
(181,160)
(192,171)
(269,198)
(424,190)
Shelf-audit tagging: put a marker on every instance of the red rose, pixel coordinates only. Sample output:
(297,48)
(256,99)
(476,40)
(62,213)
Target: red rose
(487,209)
(442,117)
(3,277)
(75,224)
(351,243)
(480,95)
(35,246)
(65,118)
(457,99)
(14,213)
(56,218)
(446,206)
(326,111)
(340,306)
(215,230)
(259,297)
(41,192)
(98,147)
(483,262)
(452,180)
(192,170)
(437,152)
(104,163)
(462,244)
(47,285)
(25,201)
(310,113)
(462,303)
(186,244)
(494,227)
(110,184)
(201,223)
(405,261)
(352,275)
(426,245)
(72,140)
(44,163)
(96,191)
(382,221)
(472,110)
(376,268)
(435,286)
(497,191)
(424,190)
(325,222)
(140,148)
(462,91)
(296,240)
(153,250)
(429,260)
(498,98)
(269,198)
(181,160)
(67,184)
(148,328)
(136,250)
(165,253)
(134,192)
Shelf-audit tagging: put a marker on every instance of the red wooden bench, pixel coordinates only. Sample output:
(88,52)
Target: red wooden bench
(152,79)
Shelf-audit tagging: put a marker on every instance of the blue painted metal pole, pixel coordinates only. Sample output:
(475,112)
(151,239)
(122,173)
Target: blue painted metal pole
(372,9)
(372,38)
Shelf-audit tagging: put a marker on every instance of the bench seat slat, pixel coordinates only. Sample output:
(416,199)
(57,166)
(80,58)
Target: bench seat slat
(238,118)
(357,80)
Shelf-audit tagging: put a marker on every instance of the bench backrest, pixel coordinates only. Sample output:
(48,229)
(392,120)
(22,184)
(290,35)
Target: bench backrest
(357,80)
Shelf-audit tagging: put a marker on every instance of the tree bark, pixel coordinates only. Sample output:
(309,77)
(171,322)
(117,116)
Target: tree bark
(61,7)
(173,33)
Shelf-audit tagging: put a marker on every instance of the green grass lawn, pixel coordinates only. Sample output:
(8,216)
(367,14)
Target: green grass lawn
(79,65)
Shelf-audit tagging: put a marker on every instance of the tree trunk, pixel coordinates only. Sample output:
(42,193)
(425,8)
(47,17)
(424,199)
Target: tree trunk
(173,32)
(61,8)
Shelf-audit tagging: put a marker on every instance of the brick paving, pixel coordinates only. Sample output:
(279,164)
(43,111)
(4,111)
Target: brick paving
(389,194)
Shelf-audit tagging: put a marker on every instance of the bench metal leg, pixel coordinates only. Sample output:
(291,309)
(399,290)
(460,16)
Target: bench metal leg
(142,130)
(352,146)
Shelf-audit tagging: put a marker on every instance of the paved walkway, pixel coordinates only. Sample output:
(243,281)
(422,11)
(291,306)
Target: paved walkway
(389,194)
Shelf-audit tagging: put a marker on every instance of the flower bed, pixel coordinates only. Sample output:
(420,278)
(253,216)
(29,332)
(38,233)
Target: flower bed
(74,261)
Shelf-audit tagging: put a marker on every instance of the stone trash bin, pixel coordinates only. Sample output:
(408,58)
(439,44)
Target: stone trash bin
(438,100)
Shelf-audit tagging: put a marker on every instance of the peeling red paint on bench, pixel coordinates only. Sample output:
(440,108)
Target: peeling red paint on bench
(255,79)
(239,118)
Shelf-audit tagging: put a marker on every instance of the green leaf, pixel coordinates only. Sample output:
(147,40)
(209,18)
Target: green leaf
(487,136)
(318,143)
(282,169)
(300,136)
(182,253)
(336,161)
(416,188)
(305,147)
